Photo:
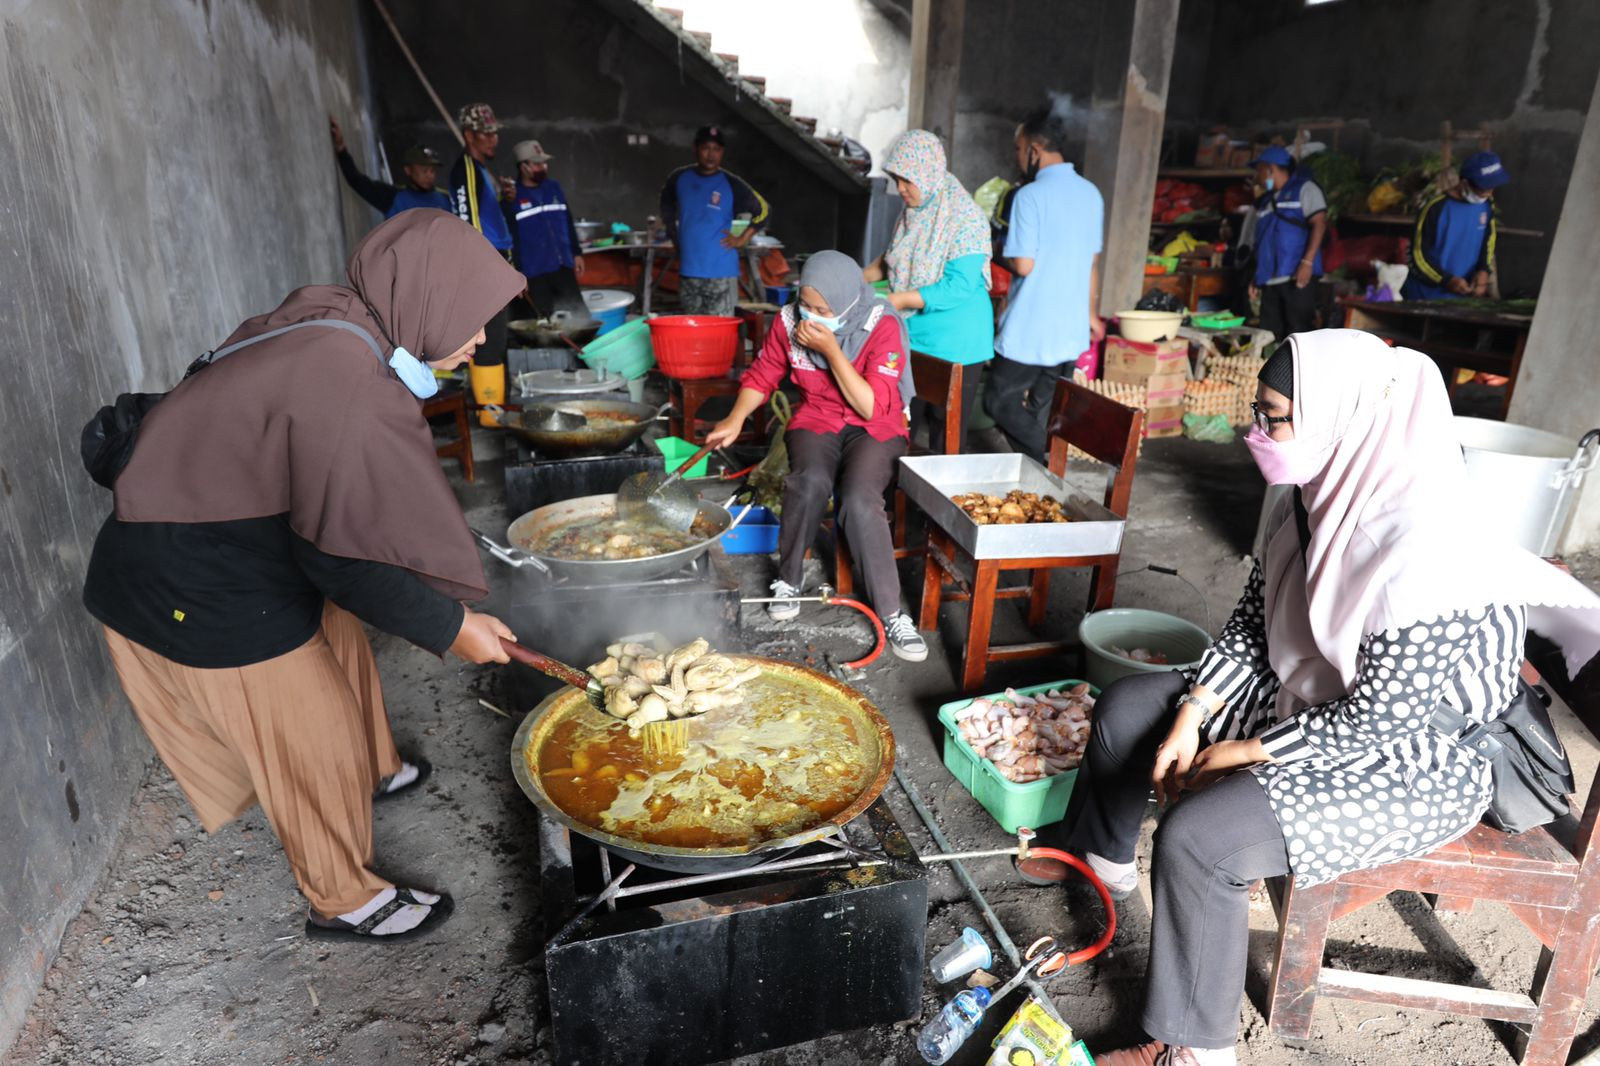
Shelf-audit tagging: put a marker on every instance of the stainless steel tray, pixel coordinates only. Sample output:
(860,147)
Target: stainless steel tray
(930,481)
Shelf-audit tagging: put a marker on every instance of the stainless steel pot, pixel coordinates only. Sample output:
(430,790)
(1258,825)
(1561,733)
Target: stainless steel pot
(589,231)
(876,738)
(527,529)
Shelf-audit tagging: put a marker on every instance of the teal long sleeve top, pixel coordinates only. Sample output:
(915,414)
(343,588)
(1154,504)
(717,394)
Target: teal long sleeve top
(956,322)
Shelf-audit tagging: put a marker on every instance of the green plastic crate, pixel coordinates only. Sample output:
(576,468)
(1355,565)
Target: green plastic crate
(1030,803)
(674,450)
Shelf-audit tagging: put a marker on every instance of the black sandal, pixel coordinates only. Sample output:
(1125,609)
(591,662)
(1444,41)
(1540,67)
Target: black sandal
(320,928)
(424,768)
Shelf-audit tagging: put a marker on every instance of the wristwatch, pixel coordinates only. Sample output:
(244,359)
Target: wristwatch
(1190,697)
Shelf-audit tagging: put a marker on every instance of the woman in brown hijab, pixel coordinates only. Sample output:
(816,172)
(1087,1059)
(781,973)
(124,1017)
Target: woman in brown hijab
(274,498)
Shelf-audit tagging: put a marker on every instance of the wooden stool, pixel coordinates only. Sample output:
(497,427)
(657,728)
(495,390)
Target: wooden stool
(755,320)
(1110,433)
(688,396)
(452,403)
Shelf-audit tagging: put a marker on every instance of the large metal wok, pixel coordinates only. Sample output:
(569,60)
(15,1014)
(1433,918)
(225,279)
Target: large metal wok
(555,331)
(589,440)
(825,696)
(525,531)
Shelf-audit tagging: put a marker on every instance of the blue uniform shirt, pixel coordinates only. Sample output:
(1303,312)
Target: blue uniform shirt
(1056,220)
(1454,239)
(699,210)
(542,226)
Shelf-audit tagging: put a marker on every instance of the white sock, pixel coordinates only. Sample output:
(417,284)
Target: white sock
(407,774)
(407,917)
(1121,876)
(1214,1056)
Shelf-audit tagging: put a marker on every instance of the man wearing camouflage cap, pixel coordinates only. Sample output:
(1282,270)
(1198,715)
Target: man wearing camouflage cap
(420,166)
(475,196)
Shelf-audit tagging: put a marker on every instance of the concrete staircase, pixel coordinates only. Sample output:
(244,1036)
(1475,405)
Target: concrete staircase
(663,28)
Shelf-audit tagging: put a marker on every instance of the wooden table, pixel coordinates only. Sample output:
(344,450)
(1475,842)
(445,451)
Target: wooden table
(1191,284)
(1457,338)
(750,262)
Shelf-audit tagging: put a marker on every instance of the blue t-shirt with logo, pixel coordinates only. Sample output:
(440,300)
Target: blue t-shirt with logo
(699,209)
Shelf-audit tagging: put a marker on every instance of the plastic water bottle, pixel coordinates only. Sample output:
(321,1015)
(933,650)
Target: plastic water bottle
(959,1019)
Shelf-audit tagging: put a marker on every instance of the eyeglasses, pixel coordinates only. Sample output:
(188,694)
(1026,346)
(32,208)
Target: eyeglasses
(1266,421)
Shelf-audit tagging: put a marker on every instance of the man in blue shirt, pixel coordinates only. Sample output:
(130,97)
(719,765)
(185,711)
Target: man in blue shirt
(475,194)
(420,166)
(1292,217)
(545,237)
(1453,251)
(698,206)
(1052,247)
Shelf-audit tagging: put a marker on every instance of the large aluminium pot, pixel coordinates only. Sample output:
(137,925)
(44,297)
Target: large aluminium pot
(877,747)
(577,443)
(526,530)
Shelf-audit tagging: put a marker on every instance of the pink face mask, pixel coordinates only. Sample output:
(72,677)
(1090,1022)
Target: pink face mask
(1286,462)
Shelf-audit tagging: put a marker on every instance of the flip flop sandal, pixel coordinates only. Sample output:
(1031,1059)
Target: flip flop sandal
(383,792)
(339,929)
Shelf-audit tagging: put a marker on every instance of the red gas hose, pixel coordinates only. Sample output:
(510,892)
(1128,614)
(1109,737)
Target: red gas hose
(877,627)
(1085,954)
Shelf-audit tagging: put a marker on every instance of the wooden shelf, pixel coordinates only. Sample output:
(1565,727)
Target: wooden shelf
(1200,173)
(1410,221)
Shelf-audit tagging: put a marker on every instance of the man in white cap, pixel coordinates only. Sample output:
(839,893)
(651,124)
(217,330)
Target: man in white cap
(546,241)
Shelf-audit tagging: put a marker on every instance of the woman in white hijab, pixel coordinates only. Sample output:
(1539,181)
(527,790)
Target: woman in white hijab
(1377,600)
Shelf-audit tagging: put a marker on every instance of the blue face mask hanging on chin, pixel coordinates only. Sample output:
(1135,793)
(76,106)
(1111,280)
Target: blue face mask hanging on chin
(414,374)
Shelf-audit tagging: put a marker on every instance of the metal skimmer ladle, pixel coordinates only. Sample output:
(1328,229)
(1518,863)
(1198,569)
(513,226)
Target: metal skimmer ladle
(658,498)
(547,419)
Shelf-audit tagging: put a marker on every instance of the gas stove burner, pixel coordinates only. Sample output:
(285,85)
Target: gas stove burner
(680,970)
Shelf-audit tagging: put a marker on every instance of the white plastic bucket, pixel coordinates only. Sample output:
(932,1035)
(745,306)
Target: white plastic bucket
(1526,478)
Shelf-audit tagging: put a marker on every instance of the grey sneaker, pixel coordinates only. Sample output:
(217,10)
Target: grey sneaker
(904,640)
(780,611)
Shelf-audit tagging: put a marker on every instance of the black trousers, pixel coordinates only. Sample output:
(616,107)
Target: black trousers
(1209,848)
(556,291)
(1286,308)
(926,414)
(1019,400)
(861,467)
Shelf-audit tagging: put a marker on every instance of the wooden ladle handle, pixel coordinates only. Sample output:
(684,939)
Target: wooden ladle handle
(546,665)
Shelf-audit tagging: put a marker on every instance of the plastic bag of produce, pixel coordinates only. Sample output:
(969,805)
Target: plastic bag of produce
(1213,429)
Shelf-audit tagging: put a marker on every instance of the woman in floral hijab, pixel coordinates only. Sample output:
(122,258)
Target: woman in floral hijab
(938,264)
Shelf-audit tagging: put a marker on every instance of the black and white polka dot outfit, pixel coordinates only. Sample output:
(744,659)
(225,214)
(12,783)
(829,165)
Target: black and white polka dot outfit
(1363,780)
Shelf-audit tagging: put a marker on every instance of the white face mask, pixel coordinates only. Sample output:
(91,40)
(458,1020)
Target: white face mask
(1472,196)
(414,374)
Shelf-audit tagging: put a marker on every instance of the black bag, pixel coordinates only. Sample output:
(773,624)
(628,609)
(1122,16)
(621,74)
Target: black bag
(1532,777)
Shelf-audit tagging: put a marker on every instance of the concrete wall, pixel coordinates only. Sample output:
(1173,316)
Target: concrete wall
(167,175)
(565,72)
(1524,70)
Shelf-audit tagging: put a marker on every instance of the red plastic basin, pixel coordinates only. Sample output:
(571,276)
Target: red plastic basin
(694,346)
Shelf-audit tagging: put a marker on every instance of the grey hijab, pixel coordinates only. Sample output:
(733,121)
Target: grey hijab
(837,279)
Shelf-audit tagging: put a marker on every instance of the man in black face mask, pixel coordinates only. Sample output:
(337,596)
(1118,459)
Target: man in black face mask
(1052,246)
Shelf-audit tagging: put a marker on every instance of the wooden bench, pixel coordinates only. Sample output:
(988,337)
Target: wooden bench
(452,403)
(1107,431)
(1549,878)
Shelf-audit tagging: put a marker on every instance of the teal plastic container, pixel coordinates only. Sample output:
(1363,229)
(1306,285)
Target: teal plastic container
(625,350)
(675,450)
(1031,803)
(1182,642)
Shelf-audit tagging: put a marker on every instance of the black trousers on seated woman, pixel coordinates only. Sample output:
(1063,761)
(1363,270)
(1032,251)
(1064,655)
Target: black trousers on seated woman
(853,467)
(1209,848)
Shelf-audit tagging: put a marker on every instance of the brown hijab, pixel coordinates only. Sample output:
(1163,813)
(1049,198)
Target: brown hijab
(311,425)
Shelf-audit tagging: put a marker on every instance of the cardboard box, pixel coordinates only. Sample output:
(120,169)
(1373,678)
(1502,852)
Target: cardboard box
(1135,363)
(1163,421)
(1213,150)
(1239,155)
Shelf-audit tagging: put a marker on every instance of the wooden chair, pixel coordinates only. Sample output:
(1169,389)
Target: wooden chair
(1107,431)
(688,396)
(1549,878)
(938,382)
(452,403)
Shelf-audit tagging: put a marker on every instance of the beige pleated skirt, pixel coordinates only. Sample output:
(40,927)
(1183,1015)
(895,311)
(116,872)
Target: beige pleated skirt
(304,734)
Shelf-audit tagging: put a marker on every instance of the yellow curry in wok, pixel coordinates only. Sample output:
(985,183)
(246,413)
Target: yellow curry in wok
(777,764)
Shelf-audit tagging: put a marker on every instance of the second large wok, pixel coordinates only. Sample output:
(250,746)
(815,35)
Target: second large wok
(588,440)
(527,530)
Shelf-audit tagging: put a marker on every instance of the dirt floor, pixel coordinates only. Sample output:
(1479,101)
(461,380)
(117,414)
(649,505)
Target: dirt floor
(191,950)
